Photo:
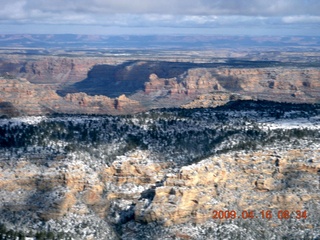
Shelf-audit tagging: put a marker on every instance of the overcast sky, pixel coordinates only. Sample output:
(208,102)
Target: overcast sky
(245,17)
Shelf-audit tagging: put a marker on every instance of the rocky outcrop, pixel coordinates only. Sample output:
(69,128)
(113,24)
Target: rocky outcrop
(214,99)
(126,105)
(281,84)
(102,105)
(20,97)
(51,70)
(196,81)
(137,188)
(233,183)
(26,98)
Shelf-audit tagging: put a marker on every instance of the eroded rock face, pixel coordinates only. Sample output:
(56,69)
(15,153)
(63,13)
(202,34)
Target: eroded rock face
(215,99)
(20,97)
(51,70)
(215,87)
(137,188)
(300,84)
(240,182)
(136,86)
(101,104)
(27,98)
(196,86)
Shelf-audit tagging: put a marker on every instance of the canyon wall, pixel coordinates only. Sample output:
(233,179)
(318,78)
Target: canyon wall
(89,85)
(49,69)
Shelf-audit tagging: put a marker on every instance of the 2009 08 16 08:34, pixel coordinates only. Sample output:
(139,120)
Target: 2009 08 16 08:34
(264,214)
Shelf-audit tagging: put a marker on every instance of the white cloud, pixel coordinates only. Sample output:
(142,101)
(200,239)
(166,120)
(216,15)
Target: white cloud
(194,19)
(301,19)
(13,11)
(169,7)
(164,13)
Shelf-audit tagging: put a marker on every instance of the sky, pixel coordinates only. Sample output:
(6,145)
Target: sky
(148,17)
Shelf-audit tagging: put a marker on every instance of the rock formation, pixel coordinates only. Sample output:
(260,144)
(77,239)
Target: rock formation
(19,97)
(51,70)
(93,85)
(149,192)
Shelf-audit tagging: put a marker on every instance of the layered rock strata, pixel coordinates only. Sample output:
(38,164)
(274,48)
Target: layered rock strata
(142,85)
(137,188)
(19,97)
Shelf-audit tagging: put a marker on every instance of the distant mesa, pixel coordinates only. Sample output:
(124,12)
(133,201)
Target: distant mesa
(44,41)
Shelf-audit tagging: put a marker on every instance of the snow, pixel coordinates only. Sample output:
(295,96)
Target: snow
(33,120)
(297,123)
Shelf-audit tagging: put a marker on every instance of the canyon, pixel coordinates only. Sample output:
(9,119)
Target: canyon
(149,143)
(129,177)
(117,85)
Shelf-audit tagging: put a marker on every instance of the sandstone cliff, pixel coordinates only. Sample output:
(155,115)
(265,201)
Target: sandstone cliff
(89,85)
(278,83)
(19,97)
(51,70)
(149,192)
(27,98)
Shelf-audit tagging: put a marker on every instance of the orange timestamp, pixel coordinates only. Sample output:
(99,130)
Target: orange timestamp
(264,214)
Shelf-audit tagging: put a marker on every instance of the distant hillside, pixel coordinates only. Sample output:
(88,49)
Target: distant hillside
(153,41)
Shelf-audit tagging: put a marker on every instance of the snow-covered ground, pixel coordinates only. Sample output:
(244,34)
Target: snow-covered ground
(296,123)
(32,120)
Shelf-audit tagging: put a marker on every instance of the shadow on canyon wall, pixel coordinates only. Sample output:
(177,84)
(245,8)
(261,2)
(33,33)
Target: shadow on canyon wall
(130,77)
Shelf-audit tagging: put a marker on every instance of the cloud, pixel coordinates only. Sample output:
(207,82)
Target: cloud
(13,11)
(171,7)
(301,19)
(164,13)
(179,7)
